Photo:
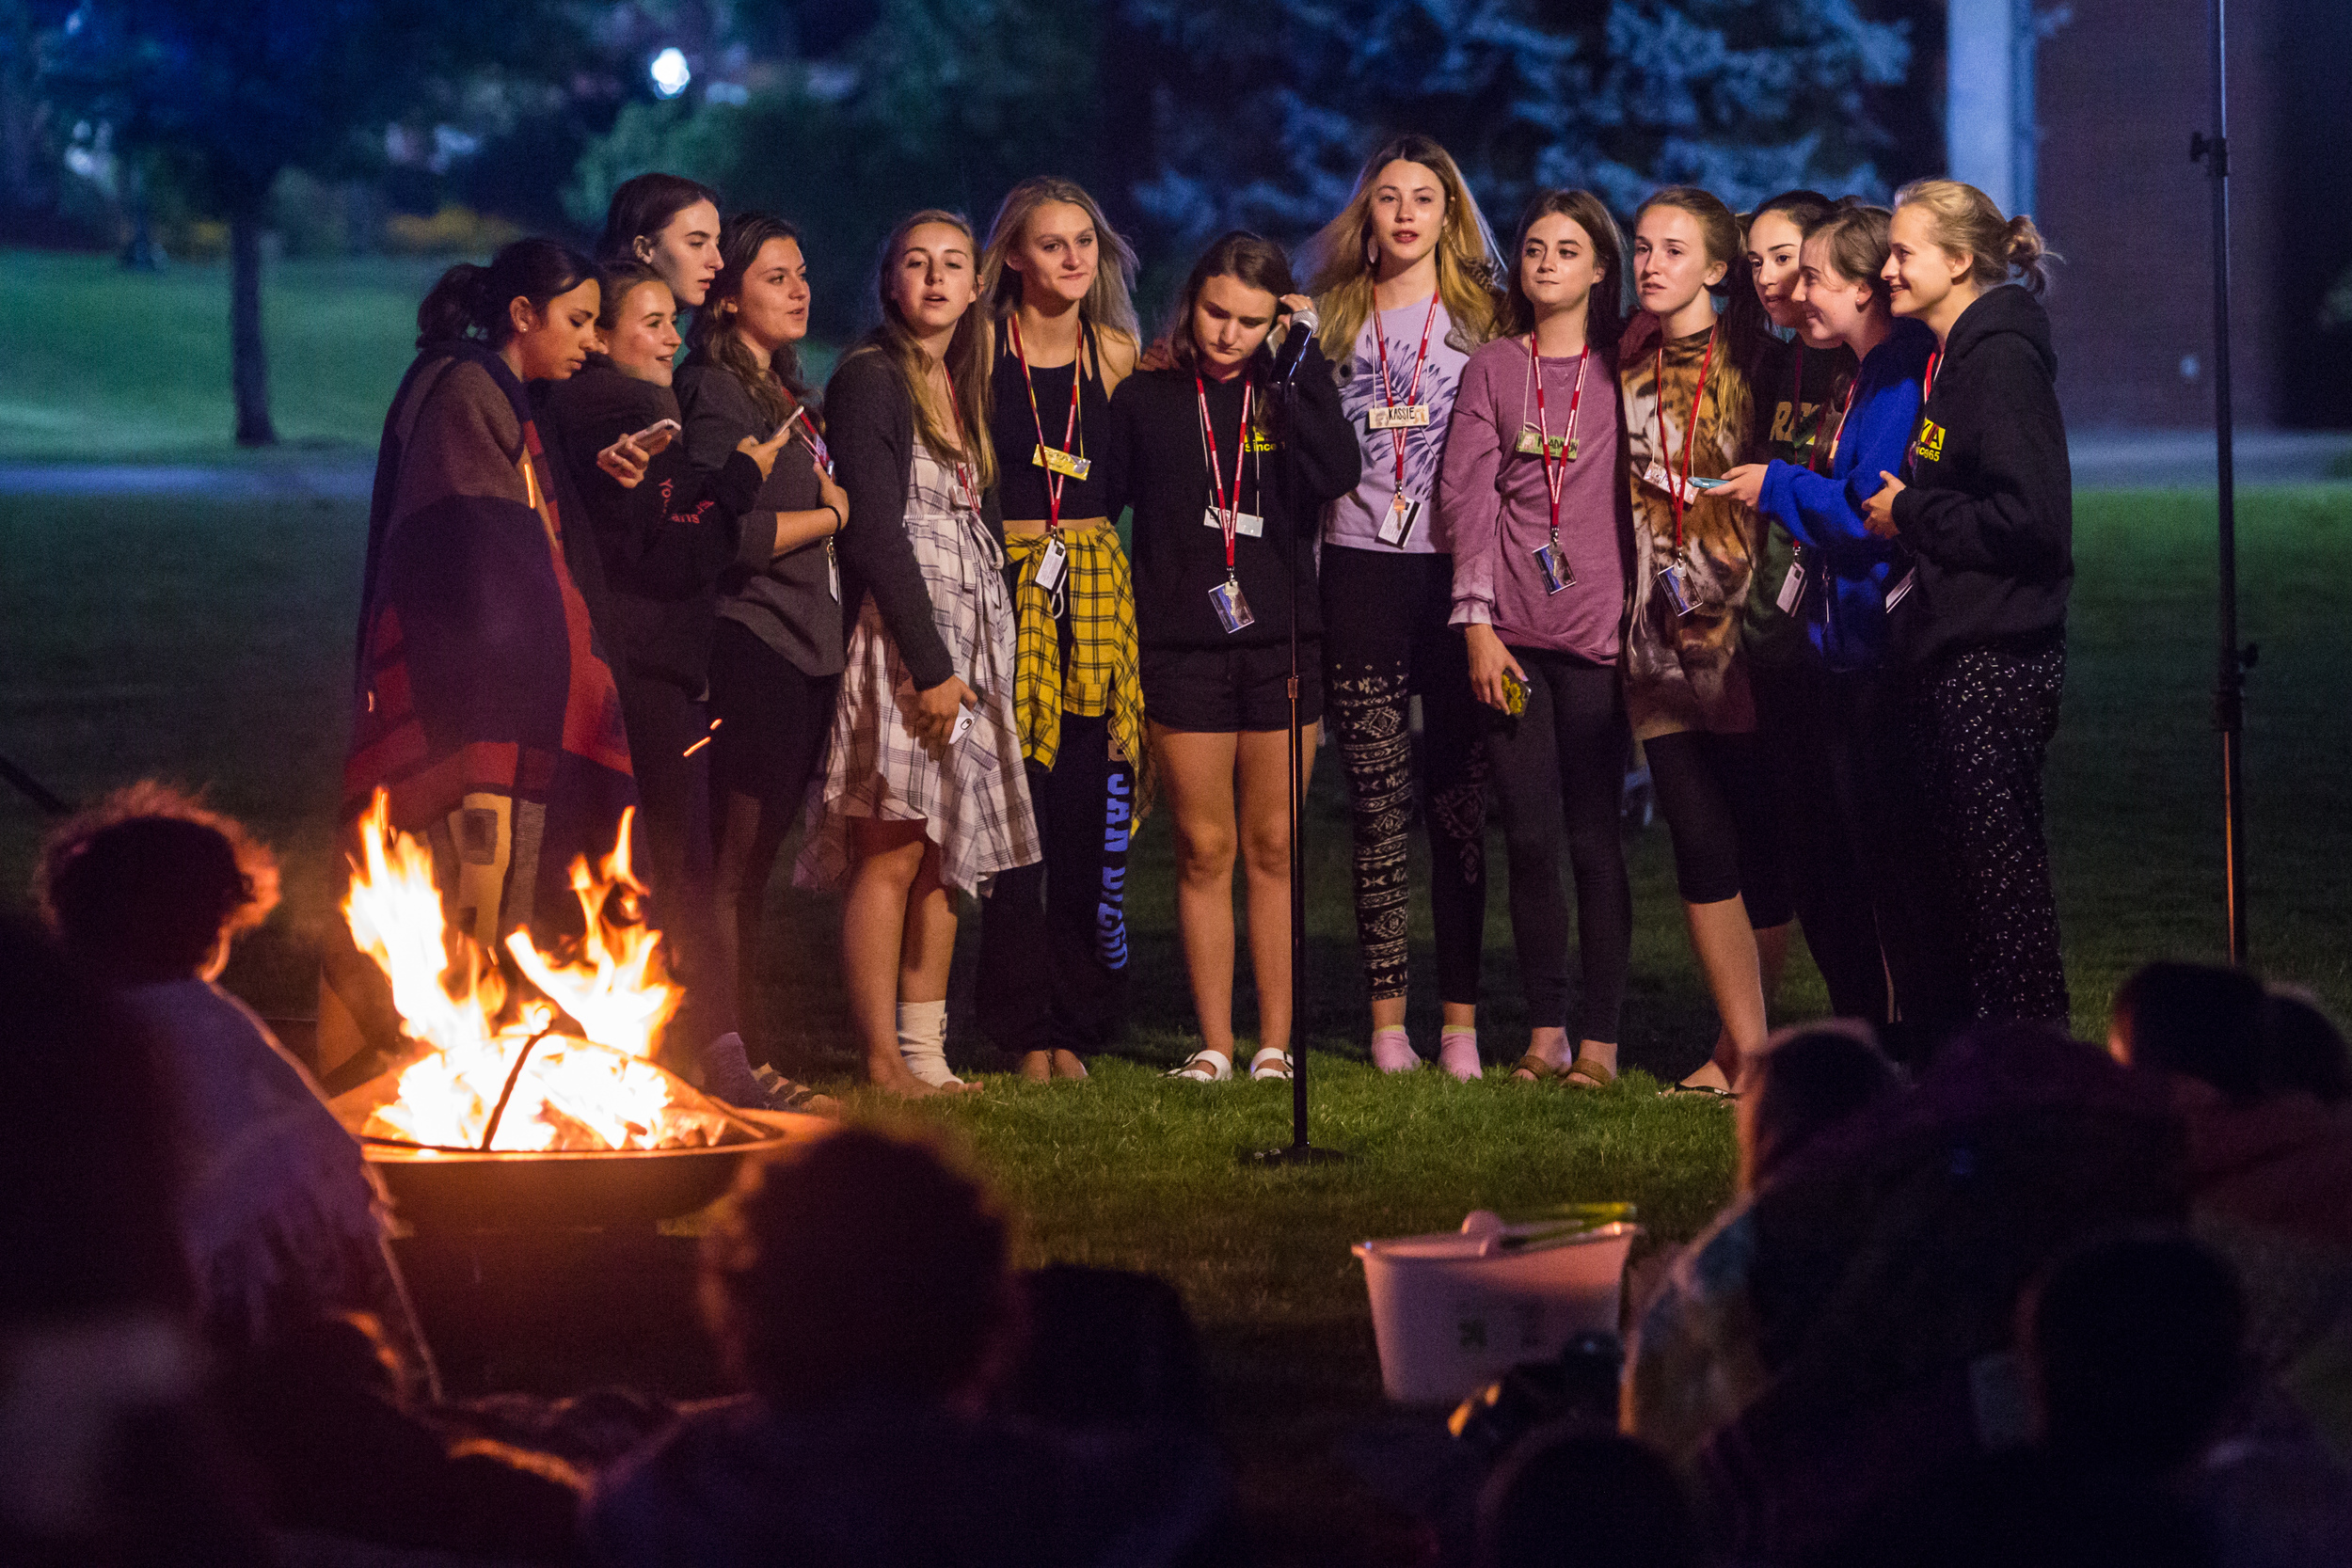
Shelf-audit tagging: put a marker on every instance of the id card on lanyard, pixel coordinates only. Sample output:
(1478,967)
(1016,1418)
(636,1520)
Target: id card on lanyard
(1675,577)
(1399,420)
(1060,462)
(1558,575)
(823,455)
(1232,609)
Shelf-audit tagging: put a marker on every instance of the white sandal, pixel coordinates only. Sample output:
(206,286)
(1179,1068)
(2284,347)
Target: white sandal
(1204,1067)
(1270,1062)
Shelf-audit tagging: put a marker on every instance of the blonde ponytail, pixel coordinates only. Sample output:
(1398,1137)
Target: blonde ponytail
(1966,223)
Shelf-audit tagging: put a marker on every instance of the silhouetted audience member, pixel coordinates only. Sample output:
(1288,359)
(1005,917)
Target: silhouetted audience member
(281,1219)
(1806,1079)
(2133,1352)
(2201,1021)
(859,1286)
(1576,1495)
(2303,1051)
(1106,1349)
(106,1459)
(1817,1351)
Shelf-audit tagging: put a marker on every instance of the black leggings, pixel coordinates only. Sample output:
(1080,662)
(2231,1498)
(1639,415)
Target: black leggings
(776,722)
(1711,789)
(1808,723)
(1053,970)
(1385,639)
(673,852)
(1559,774)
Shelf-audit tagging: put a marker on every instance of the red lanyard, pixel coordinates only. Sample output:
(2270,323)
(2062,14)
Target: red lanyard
(963,438)
(1387,393)
(1228,505)
(810,439)
(1927,390)
(1690,432)
(1838,436)
(1555,481)
(1069,430)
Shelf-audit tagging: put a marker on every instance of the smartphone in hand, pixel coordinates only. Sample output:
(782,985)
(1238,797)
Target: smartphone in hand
(655,435)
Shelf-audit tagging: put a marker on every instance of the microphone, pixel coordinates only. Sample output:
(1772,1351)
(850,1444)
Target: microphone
(1293,349)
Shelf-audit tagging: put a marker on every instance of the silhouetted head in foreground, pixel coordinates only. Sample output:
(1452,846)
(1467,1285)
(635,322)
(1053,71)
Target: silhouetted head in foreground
(2135,1348)
(1576,1495)
(2201,1021)
(857,1265)
(1805,1079)
(148,885)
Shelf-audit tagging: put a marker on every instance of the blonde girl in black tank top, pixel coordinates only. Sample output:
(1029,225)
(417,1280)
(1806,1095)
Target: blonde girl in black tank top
(1055,281)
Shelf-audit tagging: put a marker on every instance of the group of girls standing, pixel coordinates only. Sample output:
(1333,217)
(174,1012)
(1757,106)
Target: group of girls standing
(903,617)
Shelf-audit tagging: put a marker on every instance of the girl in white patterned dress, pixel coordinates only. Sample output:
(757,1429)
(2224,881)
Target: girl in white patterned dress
(918,805)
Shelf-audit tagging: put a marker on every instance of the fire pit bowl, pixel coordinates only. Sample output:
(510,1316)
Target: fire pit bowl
(628,1189)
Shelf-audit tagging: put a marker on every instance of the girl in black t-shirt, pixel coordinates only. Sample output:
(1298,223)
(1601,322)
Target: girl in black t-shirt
(1226,486)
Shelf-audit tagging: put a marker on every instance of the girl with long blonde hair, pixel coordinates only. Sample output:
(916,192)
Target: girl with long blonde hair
(1983,501)
(924,794)
(1405,280)
(1054,279)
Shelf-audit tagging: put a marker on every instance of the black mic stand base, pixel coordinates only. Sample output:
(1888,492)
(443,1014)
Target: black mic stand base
(1293,1154)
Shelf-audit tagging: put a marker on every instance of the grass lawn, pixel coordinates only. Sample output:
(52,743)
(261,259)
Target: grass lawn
(209,642)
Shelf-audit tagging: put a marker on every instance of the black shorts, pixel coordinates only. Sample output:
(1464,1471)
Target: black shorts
(1223,691)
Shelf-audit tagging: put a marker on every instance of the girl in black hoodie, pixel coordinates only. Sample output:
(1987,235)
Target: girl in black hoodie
(1978,622)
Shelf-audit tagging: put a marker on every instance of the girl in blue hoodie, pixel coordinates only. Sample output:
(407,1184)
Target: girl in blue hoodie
(1836,589)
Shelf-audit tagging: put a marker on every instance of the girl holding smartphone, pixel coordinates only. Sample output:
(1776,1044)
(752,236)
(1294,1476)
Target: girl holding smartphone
(1226,483)
(1405,282)
(1687,410)
(777,639)
(1534,496)
(1055,278)
(663,532)
(925,796)
(1983,500)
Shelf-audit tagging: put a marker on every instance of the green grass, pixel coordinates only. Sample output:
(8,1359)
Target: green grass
(100,365)
(210,643)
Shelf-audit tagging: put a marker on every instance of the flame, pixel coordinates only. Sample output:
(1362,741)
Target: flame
(596,1089)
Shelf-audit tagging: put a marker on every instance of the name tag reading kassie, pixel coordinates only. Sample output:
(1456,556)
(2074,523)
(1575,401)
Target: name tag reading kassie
(1402,416)
(1067,463)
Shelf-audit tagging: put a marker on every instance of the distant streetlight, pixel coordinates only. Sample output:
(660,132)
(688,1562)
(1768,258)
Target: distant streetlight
(670,72)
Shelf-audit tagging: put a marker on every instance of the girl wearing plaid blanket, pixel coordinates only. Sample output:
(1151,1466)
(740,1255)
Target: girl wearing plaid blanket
(1055,276)
(924,789)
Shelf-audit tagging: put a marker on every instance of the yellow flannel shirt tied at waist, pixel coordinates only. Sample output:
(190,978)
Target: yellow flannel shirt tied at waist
(1102,677)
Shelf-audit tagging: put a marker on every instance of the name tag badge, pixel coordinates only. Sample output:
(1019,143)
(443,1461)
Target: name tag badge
(1656,478)
(1792,587)
(1557,573)
(1067,463)
(833,572)
(1896,594)
(1232,610)
(1397,527)
(1399,416)
(1245,524)
(1050,564)
(1531,444)
(1673,580)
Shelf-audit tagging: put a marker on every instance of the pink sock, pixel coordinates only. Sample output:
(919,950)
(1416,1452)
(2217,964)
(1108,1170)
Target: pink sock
(1393,1049)
(1457,1052)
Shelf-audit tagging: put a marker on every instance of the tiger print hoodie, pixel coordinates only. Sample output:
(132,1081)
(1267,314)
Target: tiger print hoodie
(1685,671)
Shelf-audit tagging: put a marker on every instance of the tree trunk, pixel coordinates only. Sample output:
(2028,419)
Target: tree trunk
(249,360)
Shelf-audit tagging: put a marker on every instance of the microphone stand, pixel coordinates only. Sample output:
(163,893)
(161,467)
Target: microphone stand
(2229,693)
(1298,1151)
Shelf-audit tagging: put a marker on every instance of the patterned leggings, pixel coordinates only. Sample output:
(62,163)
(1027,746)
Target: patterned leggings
(1385,639)
(1983,933)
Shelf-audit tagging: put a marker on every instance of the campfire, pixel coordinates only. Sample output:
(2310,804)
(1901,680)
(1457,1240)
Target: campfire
(562,1063)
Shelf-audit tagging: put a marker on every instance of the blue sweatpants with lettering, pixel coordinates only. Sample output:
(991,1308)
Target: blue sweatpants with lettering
(1063,921)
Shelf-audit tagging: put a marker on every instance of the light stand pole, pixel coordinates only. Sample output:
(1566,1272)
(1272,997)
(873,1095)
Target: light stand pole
(1298,1151)
(2229,694)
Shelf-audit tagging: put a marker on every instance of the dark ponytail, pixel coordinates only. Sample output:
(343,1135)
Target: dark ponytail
(470,301)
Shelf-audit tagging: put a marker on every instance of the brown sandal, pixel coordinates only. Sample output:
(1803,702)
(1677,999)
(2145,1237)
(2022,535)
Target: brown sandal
(1586,1073)
(1536,1069)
